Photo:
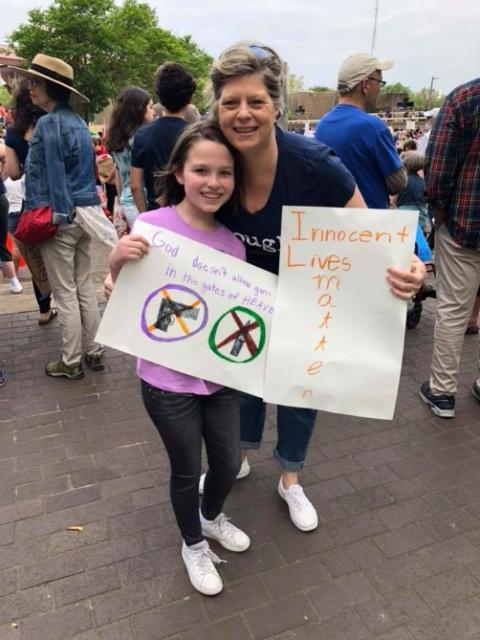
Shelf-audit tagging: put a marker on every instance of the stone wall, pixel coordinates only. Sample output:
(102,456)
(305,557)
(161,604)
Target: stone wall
(317,103)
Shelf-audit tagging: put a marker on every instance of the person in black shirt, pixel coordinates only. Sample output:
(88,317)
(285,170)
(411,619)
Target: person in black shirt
(154,142)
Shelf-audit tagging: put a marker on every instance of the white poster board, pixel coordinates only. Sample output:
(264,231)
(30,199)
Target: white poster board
(193,309)
(338,332)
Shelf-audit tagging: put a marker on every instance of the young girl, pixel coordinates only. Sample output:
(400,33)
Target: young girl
(198,181)
(133,108)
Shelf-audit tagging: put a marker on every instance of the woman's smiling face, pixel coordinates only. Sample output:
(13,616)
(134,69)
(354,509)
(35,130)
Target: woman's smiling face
(246,113)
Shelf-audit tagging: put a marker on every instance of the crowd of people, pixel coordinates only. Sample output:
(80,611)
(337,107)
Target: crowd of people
(222,180)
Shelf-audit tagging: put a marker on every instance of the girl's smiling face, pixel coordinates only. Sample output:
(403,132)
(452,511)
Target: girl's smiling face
(207,177)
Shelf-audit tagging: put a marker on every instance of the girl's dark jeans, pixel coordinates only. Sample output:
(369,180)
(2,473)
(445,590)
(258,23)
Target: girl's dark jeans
(183,420)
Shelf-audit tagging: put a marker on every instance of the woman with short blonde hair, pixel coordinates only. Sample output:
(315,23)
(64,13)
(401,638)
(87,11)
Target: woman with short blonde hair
(278,168)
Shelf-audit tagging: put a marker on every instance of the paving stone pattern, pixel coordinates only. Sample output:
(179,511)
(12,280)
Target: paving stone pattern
(396,556)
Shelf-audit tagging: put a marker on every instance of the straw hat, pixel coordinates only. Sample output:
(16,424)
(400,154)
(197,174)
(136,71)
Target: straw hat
(52,69)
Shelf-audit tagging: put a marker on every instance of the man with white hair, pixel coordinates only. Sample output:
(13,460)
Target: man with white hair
(362,141)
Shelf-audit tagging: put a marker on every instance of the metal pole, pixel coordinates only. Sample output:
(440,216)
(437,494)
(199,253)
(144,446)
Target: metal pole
(431,92)
(282,121)
(374,34)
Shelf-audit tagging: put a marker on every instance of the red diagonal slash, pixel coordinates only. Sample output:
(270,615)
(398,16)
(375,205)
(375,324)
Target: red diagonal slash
(243,330)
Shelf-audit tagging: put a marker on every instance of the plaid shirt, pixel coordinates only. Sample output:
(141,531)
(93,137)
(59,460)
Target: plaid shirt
(452,164)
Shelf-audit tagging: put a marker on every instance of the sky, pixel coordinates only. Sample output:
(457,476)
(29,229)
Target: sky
(424,38)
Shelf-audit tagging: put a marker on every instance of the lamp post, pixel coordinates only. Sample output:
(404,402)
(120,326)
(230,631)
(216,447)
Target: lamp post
(430,93)
(374,34)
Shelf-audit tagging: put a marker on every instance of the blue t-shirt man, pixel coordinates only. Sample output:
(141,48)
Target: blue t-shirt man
(365,146)
(308,174)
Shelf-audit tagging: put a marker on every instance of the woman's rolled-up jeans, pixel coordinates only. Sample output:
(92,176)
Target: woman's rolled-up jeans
(294,430)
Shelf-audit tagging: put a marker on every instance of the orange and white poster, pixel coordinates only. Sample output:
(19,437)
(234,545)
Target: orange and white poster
(337,333)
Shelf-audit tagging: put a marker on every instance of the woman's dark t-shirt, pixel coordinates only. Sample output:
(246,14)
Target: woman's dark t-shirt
(308,174)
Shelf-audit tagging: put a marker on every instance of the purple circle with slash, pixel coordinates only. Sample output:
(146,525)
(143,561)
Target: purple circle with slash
(174,287)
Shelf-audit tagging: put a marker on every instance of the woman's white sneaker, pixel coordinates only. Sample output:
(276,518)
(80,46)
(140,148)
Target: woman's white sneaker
(243,473)
(200,562)
(225,533)
(302,512)
(15,285)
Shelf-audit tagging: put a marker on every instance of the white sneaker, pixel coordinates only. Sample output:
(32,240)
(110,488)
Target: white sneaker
(15,286)
(243,473)
(199,561)
(224,532)
(302,512)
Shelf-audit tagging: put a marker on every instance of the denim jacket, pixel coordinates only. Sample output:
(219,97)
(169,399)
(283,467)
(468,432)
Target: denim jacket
(59,170)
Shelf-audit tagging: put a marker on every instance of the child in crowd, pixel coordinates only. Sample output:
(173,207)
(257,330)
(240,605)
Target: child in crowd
(414,197)
(198,181)
(132,109)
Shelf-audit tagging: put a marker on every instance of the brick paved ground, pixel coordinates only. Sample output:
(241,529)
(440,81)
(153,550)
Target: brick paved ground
(397,555)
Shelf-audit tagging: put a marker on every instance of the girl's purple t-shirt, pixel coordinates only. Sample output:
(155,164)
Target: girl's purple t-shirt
(221,239)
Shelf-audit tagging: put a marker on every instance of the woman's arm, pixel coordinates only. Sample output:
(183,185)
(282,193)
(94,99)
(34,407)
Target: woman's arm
(118,183)
(48,131)
(136,185)
(356,201)
(14,170)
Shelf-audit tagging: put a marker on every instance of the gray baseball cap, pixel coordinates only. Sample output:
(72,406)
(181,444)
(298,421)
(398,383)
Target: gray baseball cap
(358,67)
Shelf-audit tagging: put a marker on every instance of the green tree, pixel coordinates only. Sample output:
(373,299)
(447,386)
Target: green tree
(397,87)
(423,100)
(320,88)
(4,96)
(75,31)
(108,46)
(295,83)
(137,36)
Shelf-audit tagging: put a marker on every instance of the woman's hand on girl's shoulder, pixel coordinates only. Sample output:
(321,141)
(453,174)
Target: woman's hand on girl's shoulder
(129,248)
(405,284)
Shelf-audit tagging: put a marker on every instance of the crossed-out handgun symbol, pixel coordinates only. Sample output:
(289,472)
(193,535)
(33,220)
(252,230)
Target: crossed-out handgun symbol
(172,312)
